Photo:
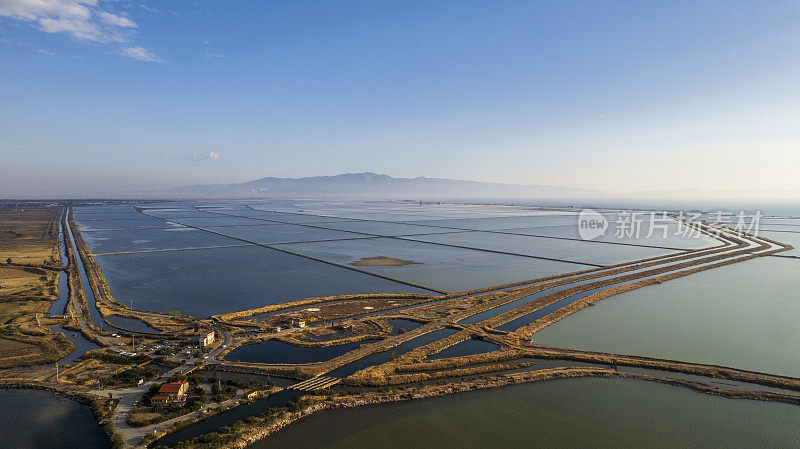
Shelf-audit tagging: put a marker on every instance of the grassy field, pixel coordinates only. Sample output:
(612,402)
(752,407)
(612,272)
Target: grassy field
(28,285)
(30,235)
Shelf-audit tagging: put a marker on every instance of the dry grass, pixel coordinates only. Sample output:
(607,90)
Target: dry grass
(11,348)
(30,235)
(24,283)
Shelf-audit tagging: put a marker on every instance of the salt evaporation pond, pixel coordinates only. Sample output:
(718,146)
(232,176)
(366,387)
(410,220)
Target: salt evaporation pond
(569,413)
(743,315)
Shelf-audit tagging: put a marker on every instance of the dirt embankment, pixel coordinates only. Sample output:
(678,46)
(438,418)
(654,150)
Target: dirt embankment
(714,371)
(108,305)
(555,281)
(257,432)
(241,315)
(557,296)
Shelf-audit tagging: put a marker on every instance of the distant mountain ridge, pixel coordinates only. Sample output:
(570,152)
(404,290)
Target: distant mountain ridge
(373,184)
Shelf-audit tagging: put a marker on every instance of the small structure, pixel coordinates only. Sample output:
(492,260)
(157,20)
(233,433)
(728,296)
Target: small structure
(206,339)
(159,399)
(171,392)
(297,322)
(251,394)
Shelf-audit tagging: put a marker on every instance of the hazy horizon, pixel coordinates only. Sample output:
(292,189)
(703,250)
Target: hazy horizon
(118,97)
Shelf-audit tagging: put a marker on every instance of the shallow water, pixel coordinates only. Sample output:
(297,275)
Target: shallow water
(569,413)
(94,314)
(274,351)
(81,345)
(138,221)
(34,419)
(213,281)
(468,347)
(500,222)
(57,307)
(131,324)
(790,238)
(440,267)
(745,315)
(283,233)
(674,237)
(567,250)
(380,358)
(227,418)
(383,228)
(100,242)
(398,324)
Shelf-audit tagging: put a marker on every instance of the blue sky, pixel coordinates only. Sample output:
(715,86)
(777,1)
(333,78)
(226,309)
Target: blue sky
(110,96)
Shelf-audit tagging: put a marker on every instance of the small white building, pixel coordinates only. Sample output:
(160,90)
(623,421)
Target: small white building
(206,339)
(297,322)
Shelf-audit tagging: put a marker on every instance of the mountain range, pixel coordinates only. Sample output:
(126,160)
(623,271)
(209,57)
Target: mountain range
(372,185)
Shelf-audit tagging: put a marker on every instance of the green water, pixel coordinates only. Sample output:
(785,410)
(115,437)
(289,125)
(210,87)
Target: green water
(745,315)
(570,413)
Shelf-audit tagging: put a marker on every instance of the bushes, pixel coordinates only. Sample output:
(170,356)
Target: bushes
(297,404)
(177,377)
(173,411)
(118,359)
(132,375)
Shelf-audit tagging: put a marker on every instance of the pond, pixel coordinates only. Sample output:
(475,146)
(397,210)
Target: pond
(569,413)
(33,419)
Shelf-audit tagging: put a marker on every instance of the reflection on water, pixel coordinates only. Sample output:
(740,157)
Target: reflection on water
(274,351)
(213,281)
(468,347)
(380,358)
(130,324)
(31,419)
(57,307)
(405,325)
(742,315)
(81,344)
(569,413)
(213,423)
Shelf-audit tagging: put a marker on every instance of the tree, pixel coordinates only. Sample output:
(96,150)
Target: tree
(177,377)
(117,442)
(8,261)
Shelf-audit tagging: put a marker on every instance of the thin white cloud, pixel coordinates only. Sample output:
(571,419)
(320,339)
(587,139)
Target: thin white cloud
(46,52)
(81,19)
(215,55)
(140,54)
(210,156)
(116,20)
(149,9)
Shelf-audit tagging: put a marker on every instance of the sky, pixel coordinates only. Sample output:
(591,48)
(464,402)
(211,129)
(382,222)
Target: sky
(119,96)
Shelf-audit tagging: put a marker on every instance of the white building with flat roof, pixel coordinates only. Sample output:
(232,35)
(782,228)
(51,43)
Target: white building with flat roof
(206,339)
